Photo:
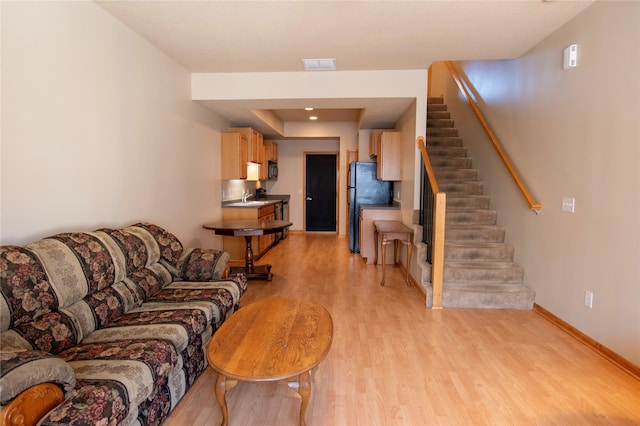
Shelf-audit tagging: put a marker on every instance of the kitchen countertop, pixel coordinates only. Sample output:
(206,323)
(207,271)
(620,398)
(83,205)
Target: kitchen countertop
(253,203)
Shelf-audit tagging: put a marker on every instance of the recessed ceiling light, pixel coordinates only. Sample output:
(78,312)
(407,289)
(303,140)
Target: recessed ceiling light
(313,117)
(308,109)
(327,64)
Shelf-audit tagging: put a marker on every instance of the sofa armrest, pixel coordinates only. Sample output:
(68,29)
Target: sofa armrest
(31,405)
(22,369)
(198,264)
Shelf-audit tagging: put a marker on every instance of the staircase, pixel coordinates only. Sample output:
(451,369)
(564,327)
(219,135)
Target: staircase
(478,266)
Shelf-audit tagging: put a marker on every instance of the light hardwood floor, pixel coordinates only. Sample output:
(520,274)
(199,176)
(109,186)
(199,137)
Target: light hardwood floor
(394,362)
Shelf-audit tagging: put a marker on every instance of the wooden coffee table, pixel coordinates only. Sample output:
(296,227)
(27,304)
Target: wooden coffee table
(269,340)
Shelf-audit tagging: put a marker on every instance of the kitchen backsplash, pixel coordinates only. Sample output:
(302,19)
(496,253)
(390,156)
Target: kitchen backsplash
(233,189)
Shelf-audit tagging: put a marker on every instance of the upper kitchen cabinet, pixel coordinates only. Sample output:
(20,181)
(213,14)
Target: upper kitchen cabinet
(270,156)
(374,138)
(256,144)
(235,154)
(388,155)
(271,150)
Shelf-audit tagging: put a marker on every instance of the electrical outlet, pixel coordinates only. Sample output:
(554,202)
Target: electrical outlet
(568,204)
(588,299)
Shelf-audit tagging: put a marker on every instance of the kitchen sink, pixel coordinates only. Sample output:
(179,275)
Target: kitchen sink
(247,204)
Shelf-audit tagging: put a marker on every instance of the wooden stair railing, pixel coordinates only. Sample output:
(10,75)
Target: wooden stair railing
(533,204)
(437,244)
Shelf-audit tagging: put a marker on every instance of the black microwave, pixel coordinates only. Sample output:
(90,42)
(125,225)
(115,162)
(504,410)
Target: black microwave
(273,170)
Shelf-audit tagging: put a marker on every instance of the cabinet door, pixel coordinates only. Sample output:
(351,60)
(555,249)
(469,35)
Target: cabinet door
(234,153)
(389,163)
(374,141)
(254,139)
(264,161)
(266,241)
(257,147)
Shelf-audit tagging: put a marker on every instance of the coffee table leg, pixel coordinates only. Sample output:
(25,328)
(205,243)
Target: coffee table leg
(304,389)
(221,390)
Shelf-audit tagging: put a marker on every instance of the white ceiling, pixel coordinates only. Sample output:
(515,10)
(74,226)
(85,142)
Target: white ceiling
(272,36)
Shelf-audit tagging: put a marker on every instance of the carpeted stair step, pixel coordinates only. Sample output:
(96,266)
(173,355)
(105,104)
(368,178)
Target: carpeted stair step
(437,131)
(475,233)
(483,272)
(467,202)
(470,217)
(477,252)
(487,296)
(439,123)
(443,173)
(438,115)
(451,163)
(444,141)
(436,107)
(448,151)
(435,100)
(461,187)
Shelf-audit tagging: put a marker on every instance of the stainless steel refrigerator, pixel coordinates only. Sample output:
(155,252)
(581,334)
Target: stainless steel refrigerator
(364,188)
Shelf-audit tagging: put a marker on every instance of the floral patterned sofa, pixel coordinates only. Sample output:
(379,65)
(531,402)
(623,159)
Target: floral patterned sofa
(113,323)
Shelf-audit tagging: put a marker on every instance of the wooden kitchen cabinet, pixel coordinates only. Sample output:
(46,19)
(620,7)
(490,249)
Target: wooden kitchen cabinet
(271,150)
(256,143)
(374,139)
(389,156)
(266,241)
(235,154)
(236,246)
(367,231)
(270,154)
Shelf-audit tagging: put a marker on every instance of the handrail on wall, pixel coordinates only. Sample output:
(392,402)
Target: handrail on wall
(437,242)
(533,204)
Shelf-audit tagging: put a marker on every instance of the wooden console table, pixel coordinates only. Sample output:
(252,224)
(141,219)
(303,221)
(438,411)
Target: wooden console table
(247,229)
(392,231)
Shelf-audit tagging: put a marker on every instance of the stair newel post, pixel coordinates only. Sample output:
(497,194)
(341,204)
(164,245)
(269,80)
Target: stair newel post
(434,221)
(437,267)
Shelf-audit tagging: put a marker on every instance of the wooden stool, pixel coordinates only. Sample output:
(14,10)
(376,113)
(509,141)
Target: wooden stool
(392,230)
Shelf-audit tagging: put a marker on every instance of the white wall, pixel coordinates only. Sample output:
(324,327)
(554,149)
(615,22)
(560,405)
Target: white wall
(339,137)
(572,133)
(98,129)
(291,175)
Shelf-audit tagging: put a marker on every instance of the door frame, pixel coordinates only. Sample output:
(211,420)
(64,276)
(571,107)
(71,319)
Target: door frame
(304,191)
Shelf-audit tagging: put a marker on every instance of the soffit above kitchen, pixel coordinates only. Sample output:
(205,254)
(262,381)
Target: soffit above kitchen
(274,36)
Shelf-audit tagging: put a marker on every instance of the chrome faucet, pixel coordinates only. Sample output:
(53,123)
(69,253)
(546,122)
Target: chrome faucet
(246,195)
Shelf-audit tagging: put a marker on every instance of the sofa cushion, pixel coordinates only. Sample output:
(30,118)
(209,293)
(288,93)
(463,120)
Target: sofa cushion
(150,280)
(92,256)
(52,332)
(78,264)
(136,253)
(170,247)
(25,291)
(112,302)
(139,364)
(198,264)
(218,298)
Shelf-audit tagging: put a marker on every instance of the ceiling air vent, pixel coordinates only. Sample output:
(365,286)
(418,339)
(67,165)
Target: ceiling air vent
(328,64)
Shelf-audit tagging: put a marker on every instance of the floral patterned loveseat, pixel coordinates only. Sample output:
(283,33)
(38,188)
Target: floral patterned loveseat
(107,327)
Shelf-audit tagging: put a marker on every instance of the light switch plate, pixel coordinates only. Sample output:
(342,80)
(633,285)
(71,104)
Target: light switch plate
(568,204)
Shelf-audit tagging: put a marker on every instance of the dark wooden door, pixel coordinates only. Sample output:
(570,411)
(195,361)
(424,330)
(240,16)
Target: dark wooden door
(321,192)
